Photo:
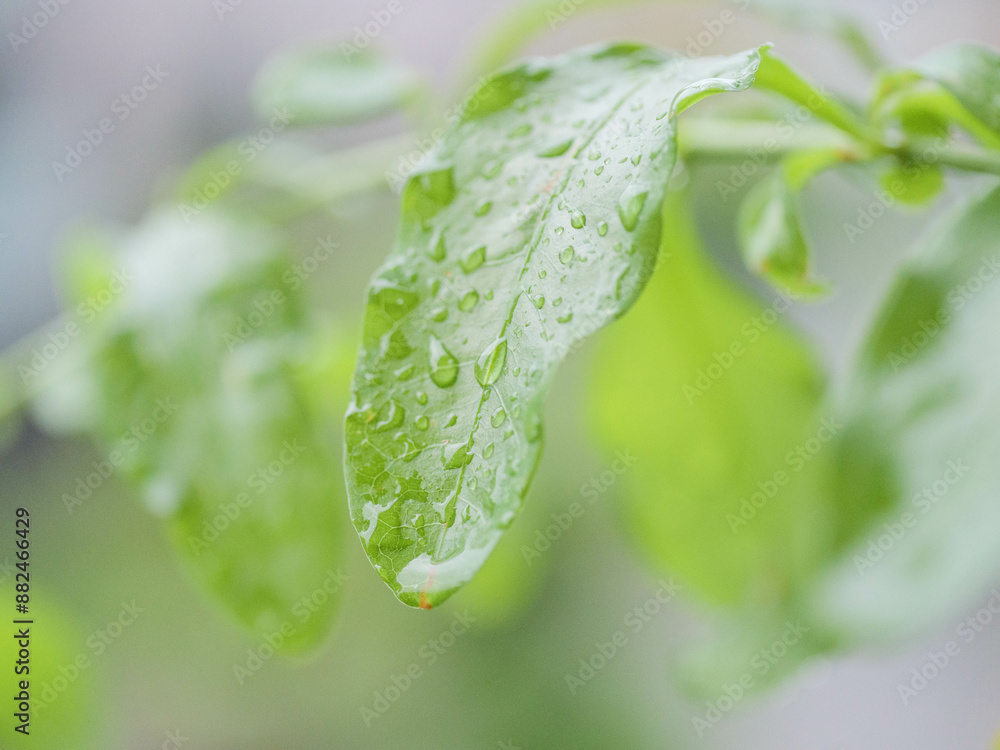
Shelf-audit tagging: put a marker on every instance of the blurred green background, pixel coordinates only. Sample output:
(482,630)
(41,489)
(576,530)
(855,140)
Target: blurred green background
(171,676)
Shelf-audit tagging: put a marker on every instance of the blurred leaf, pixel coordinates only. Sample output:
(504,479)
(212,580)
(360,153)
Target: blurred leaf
(913,183)
(717,400)
(771,235)
(971,74)
(923,406)
(333,86)
(777,76)
(197,359)
(507,259)
(949,86)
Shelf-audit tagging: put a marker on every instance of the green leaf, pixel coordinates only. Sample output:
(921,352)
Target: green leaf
(721,405)
(320,86)
(949,86)
(923,405)
(196,362)
(534,222)
(777,76)
(772,238)
(971,74)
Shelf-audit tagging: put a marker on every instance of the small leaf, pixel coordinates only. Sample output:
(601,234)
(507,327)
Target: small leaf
(971,74)
(924,403)
(772,238)
(324,85)
(716,399)
(555,246)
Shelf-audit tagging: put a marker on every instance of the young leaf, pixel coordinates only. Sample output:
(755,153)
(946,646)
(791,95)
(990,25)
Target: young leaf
(717,399)
(195,361)
(534,222)
(971,74)
(771,234)
(323,86)
(947,87)
(924,404)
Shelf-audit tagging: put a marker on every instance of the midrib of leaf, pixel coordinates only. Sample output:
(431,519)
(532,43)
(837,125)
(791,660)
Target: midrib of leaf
(532,246)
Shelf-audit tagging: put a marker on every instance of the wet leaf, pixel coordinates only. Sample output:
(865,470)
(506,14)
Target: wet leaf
(544,200)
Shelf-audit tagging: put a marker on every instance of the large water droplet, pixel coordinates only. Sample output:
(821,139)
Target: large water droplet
(577,219)
(427,193)
(556,149)
(444,365)
(390,416)
(456,456)
(499,417)
(491,361)
(602,228)
(468,301)
(488,451)
(567,255)
(630,206)
(437,250)
(473,260)
(423,423)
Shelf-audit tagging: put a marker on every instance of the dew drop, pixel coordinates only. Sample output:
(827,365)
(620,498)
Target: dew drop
(491,361)
(473,260)
(390,416)
(423,423)
(630,206)
(421,397)
(444,366)
(567,255)
(577,219)
(499,417)
(539,302)
(438,251)
(456,456)
(488,451)
(602,228)
(484,208)
(468,301)
(556,149)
